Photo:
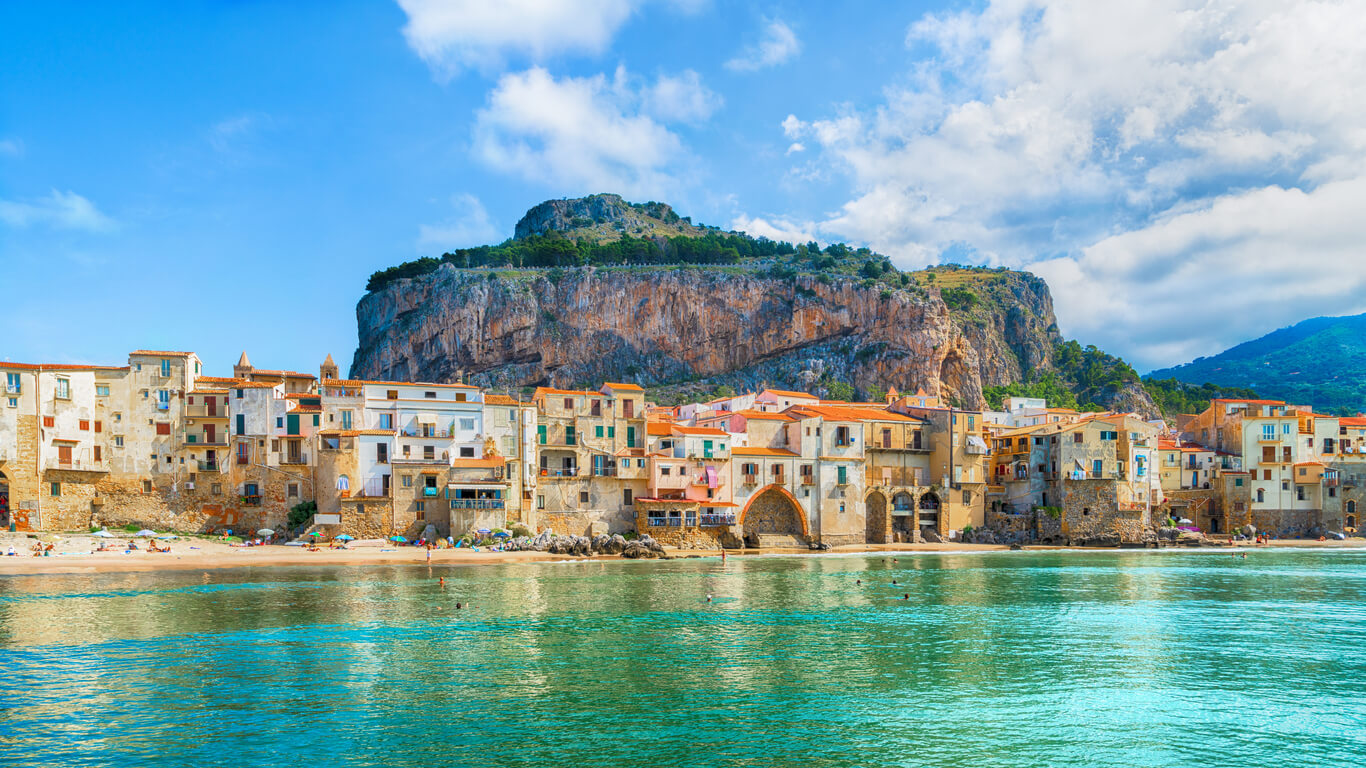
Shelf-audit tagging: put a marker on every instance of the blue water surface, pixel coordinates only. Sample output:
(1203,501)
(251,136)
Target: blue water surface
(1124,658)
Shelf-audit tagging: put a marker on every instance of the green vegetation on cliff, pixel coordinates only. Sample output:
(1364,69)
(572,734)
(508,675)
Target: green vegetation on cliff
(1319,362)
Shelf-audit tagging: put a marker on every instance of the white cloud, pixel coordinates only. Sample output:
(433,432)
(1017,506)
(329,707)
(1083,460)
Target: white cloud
(682,98)
(586,134)
(776,229)
(468,225)
(795,147)
(453,34)
(777,44)
(1085,129)
(11,147)
(59,210)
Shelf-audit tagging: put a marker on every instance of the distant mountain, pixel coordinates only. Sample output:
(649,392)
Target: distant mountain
(1319,362)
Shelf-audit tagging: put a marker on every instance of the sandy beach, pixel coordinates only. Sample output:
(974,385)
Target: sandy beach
(75,553)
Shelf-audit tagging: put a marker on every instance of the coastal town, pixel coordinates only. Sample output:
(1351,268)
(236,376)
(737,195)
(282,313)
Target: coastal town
(157,443)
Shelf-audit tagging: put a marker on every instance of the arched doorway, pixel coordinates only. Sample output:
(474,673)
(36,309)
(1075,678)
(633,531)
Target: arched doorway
(929,512)
(1351,521)
(772,518)
(903,517)
(4,502)
(876,526)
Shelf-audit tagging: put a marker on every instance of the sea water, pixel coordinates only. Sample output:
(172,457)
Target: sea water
(1127,658)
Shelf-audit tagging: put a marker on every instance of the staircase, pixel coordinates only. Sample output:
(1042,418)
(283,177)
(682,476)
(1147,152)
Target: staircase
(780,541)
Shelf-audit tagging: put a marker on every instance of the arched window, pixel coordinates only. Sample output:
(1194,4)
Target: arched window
(1261,495)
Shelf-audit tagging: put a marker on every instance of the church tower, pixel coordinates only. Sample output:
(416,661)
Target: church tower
(243,368)
(328,370)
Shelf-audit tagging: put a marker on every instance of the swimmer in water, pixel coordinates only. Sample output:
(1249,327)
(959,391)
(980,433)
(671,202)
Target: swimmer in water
(457,606)
(906,596)
(443,582)
(859,582)
(709,598)
(893,581)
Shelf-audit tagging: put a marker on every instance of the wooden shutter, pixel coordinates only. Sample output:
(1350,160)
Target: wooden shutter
(163,428)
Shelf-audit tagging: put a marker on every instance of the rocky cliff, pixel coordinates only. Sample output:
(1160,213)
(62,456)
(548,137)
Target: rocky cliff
(658,326)
(599,289)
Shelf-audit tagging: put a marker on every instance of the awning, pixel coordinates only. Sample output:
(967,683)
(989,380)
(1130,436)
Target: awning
(426,418)
(976,441)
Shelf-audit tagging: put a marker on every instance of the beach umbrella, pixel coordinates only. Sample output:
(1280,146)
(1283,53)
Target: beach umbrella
(103,534)
(501,535)
(483,531)
(314,533)
(146,532)
(265,532)
(346,537)
(399,539)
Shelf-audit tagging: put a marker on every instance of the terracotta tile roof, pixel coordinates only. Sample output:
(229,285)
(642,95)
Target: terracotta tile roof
(217,379)
(356,432)
(786,393)
(499,400)
(751,451)
(207,392)
(851,413)
(750,413)
(577,392)
(61,367)
(160,353)
(491,461)
(1352,421)
(659,428)
(619,385)
(254,385)
(679,429)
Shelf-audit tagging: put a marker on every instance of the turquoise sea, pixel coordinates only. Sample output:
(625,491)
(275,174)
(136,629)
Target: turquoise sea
(1000,659)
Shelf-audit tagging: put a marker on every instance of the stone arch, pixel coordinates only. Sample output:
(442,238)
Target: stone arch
(928,509)
(774,510)
(878,521)
(4,502)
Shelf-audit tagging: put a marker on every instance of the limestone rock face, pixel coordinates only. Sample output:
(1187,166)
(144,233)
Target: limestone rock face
(661,325)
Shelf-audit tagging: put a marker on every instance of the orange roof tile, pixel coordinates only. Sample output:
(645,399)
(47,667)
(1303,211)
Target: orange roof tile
(659,428)
(851,413)
(552,391)
(160,353)
(752,451)
(499,400)
(750,413)
(619,385)
(786,393)
(491,461)
(679,429)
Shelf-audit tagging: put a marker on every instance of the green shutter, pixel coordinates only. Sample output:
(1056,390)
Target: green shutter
(597,431)
(612,432)
(315,419)
(706,448)
(844,475)
(568,435)
(540,434)
(293,426)
(630,437)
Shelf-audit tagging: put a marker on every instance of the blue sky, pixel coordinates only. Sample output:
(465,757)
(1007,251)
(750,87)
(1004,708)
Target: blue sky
(220,176)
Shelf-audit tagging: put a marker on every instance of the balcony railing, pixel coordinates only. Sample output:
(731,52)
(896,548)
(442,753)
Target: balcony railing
(430,492)
(438,460)
(605,471)
(251,500)
(298,459)
(76,465)
(664,522)
(718,519)
(477,504)
(204,412)
(811,480)
(571,472)
(217,441)
(211,466)
(13,390)
(749,479)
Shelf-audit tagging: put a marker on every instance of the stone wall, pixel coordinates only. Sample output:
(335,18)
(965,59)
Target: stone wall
(1288,523)
(1091,515)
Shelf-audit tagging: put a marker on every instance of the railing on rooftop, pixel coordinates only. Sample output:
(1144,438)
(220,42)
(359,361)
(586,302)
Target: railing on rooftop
(477,504)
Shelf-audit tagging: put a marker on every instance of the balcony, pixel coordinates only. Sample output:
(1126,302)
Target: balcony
(297,459)
(570,472)
(211,466)
(749,479)
(716,520)
(440,461)
(664,522)
(75,465)
(892,476)
(605,471)
(779,479)
(13,390)
(205,412)
(217,441)
(477,504)
(431,492)
(811,480)
(251,500)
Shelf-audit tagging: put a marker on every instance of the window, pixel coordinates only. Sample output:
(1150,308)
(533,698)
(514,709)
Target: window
(459,397)
(1285,485)
(597,431)
(101,390)
(421,508)
(540,501)
(63,391)
(568,435)
(583,497)
(666,471)
(99,426)
(14,402)
(49,421)
(406,480)
(163,428)
(56,489)
(386,421)
(1097,467)
(626,497)
(1266,474)
(165,367)
(843,475)
(467,425)
(429,394)
(146,486)
(118,441)
(85,427)
(238,393)
(275,445)
(466,452)
(1268,431)
(612,433)
(569,403)
(279,422)
(381,453)
(1285,429)
(540,434)
(13,384)
(1076,437)
(391,394)
(1105,435)
(99,455)
(346,419)
(1237,482)
(293,489)
(1261,495)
